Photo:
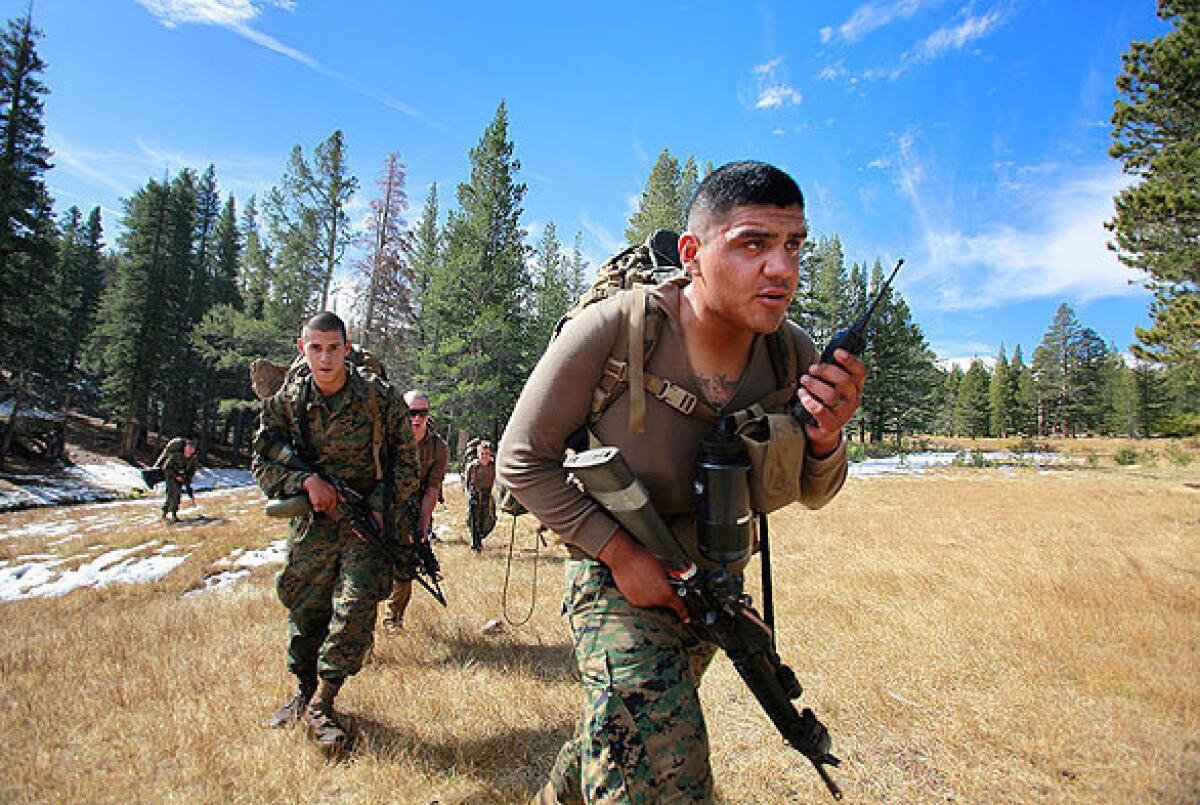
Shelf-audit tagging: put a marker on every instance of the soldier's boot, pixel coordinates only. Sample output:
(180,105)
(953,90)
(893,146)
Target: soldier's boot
(291,710)
(320,718)
(393,619)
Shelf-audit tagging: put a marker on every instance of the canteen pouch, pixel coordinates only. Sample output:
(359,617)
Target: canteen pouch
(775,444)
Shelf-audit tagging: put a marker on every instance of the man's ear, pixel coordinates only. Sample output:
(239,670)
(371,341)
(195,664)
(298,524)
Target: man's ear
(689,250)
(300,345)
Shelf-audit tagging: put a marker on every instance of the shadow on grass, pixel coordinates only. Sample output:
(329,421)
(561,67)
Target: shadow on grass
(550,662)
(513,763)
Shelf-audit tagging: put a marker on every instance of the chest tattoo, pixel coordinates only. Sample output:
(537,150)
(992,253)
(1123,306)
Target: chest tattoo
(719,389)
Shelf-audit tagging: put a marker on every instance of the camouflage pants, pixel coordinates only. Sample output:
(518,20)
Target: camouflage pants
(331,584)
(642,737)
(481,515)
(174,492)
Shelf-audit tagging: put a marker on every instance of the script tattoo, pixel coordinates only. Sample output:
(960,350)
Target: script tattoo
(717,390)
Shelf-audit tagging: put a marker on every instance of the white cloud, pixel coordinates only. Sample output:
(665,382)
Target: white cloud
(236,15)
(873,16)
(777,95)
(609,243)
(954,37)
(1051,242)
(767,68)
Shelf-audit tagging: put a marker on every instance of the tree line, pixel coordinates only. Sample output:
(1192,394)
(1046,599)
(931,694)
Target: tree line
(156,330)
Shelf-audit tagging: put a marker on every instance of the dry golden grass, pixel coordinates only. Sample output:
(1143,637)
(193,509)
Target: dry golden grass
(975,636)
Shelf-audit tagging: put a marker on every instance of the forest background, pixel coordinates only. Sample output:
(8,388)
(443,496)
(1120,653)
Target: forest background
(152,319)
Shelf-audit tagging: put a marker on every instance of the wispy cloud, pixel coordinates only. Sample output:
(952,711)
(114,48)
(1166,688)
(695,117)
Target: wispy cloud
(609,243)
(954,37)
(1051,245)
(777,95)
(771,90)
(236,16)
(873,16)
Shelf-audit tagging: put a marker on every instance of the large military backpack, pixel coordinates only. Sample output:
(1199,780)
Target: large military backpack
(631,274)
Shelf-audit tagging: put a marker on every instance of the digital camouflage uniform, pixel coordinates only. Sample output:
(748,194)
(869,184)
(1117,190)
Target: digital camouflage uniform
(177,473)
(641,737)
(478,480)
(433,457)
(332,579)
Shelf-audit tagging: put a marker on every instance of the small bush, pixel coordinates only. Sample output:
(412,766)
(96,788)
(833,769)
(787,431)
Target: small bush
(1093,460)
(1183,426)
(856,451)
(1177,455)
(1126,456)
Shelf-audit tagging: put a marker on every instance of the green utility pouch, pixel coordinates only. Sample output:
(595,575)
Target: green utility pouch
(775,444)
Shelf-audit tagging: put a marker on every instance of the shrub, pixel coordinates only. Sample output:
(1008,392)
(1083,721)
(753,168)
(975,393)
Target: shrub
(1126,456)
(1093,460)
(1177,455)
(1183,426)
(856,451)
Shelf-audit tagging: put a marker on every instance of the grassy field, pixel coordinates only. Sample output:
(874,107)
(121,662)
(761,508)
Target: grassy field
(968,636)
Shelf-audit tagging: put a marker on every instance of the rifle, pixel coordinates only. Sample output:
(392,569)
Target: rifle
(852,339)
(721,612)
(358,515)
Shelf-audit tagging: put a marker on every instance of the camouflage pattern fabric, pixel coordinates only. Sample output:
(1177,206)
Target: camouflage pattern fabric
(331,584)
(333,580)
(177,473)
(481,506)
(642,737)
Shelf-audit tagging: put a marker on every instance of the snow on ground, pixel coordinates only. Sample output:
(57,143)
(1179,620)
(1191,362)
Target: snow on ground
(38,579)
(41,574)
(86,483)
(919,463)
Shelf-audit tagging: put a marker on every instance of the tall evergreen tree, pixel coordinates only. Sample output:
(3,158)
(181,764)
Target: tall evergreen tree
(28,304)
(226,265)
(1156,131)
(1002,398)
(306,214)
(551,289)
(900,394)
(972,410)
(1024,398)
(662,204)
(131,330)
(478,300)
(385,273)
(254,268)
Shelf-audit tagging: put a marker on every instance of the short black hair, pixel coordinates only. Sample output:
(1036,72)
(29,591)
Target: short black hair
(743,184)
(325,322)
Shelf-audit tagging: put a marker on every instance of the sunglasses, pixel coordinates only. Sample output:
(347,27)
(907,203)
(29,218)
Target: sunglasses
(418,412)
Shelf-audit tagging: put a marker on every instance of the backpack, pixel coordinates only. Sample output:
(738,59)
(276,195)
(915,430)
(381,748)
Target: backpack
(630,275)
(266,377)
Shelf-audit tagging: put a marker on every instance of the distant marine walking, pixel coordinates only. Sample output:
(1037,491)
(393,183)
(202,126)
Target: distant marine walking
(178,462)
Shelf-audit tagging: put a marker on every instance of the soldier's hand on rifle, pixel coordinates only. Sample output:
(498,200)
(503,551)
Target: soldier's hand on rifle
(831,392)
(639,576)
(321,495)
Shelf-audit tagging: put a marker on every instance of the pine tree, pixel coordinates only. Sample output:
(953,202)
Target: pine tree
(947,408)
(662,205)
(899,395)
(478,299)
(254,268)
(386,276)
(130,333)
(226,266)
(28,305)
(971,407)
(823,295)
(1156,128)
(1021,391)
(310,228)
(1001,398)
(552,290)
(425,253)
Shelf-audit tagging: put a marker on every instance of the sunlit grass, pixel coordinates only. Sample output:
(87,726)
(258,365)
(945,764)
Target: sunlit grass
(973,636)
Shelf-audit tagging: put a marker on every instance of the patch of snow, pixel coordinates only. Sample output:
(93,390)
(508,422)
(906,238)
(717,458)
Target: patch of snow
(87,483)
(218,581)
(919,463)
(113,567)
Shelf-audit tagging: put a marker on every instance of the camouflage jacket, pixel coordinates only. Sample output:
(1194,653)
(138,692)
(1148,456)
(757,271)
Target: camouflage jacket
(175,467)
(337,434)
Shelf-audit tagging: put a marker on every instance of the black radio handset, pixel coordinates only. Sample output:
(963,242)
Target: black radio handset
(853,339)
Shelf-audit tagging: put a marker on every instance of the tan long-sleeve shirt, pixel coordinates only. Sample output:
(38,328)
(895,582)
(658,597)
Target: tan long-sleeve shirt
(556,401)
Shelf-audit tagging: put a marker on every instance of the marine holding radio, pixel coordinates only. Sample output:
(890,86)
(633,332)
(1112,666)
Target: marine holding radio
(656,372)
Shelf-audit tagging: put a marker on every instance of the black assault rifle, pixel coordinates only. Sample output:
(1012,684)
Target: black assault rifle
(720,611)
(353,508)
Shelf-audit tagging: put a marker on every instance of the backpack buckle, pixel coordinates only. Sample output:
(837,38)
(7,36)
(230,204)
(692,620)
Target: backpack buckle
(677,397)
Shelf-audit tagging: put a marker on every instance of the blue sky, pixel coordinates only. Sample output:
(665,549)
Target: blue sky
(969,137)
